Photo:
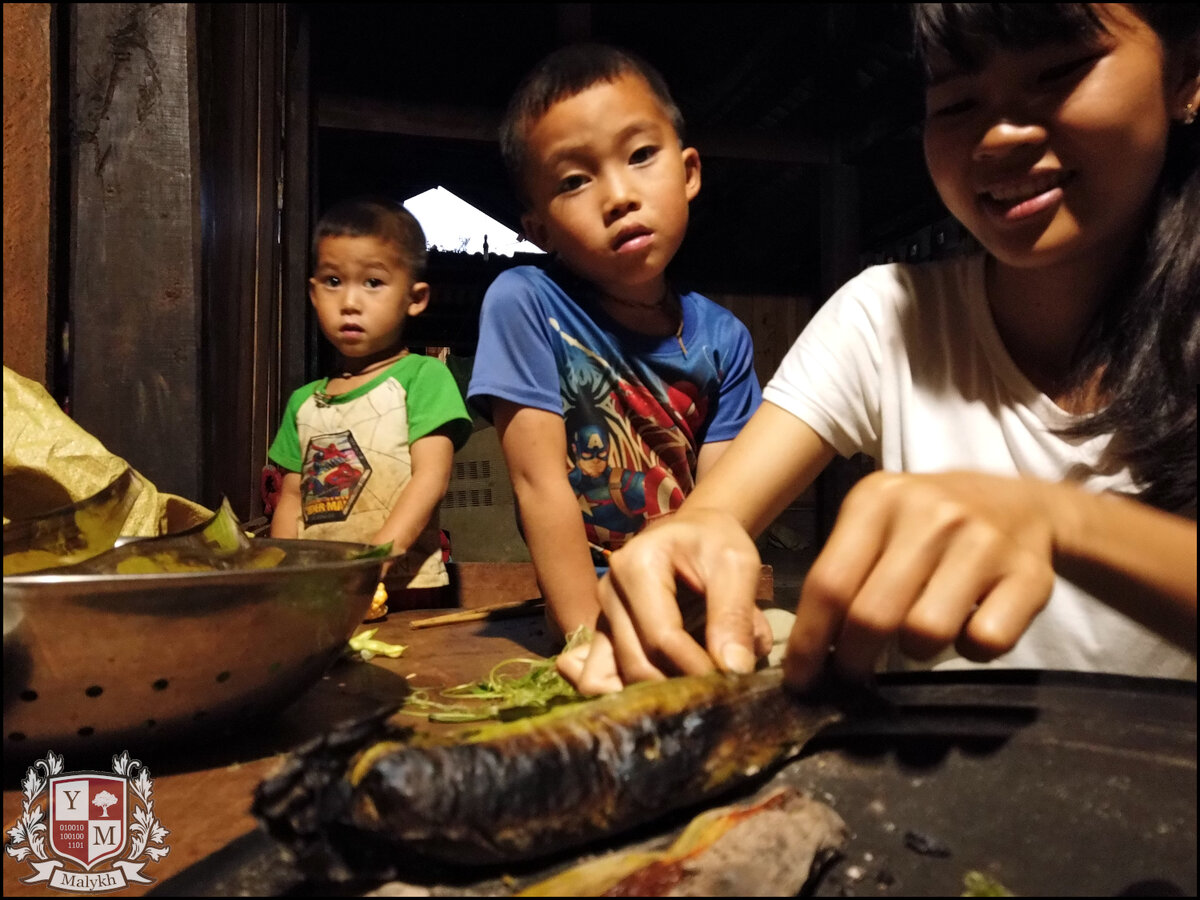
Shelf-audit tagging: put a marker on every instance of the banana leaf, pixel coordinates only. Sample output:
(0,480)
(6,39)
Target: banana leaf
(74,533)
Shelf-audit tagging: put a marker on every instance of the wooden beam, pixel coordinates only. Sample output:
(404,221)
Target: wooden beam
(135,237)
(27,189)
(365,114)
(297,339)
(244,339)
(467,124)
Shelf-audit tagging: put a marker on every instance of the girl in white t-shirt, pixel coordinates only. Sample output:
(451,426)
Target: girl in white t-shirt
(1032,409)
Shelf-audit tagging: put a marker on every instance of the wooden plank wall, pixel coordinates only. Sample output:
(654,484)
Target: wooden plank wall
(774,322)
(27,189)
(135,236)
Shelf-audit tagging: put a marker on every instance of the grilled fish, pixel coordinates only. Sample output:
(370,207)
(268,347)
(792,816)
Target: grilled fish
(523,789)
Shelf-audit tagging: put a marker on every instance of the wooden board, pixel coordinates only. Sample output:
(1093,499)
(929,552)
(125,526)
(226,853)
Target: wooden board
(203,793)
(135,237)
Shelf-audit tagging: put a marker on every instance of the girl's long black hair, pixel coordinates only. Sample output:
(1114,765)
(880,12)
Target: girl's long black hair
(1147,337)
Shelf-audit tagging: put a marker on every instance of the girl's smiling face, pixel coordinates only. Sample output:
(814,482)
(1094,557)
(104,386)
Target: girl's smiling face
(1052,152)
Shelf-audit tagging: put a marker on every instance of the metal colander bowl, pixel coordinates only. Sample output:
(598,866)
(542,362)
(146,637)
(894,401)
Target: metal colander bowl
(100,661)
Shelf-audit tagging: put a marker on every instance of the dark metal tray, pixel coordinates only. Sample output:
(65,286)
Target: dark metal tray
(1051,783)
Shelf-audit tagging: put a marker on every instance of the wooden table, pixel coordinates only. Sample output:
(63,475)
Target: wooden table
(1088,782)
(204,800)
(203,795)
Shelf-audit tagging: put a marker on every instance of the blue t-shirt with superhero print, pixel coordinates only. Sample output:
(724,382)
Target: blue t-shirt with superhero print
(636,408)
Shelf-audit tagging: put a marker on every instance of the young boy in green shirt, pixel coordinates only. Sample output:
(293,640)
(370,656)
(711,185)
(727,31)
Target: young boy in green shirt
(367,452)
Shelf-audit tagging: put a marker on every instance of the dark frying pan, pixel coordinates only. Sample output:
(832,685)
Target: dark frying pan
(1050,783)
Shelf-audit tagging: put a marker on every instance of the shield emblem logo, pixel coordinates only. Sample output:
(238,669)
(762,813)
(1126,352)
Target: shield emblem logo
(88,815)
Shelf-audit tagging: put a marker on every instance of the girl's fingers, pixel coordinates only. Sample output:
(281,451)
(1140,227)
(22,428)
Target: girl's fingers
(984,582)
(1005,614)
(764,637)
(629,653)
(639,596)
(980,591)
(929,559)
(959,576)
(882,604)
(730,580)
(830,587)
(570,663)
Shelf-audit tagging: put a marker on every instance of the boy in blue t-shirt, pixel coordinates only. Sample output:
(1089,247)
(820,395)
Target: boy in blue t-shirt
(611,392)
(368,452)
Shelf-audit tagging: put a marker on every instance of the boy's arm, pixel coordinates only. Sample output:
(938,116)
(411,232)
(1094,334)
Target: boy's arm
(432,460)
(708,456)
(535,449)
(287,510)
(708,543)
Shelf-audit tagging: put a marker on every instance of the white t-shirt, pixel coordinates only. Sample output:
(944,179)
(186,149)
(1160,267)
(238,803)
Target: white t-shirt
(904,364)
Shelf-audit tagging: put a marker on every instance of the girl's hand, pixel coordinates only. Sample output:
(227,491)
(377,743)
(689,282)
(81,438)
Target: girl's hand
(644,633)
(957,558)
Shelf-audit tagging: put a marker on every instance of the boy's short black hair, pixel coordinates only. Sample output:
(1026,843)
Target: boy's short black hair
(568,71)
(379,217)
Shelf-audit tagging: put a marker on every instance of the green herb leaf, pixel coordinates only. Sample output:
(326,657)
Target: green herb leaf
(519,687)
(379,551)
(977,884)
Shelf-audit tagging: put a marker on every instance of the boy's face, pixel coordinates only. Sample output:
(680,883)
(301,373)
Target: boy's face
(609,187)
(362,291)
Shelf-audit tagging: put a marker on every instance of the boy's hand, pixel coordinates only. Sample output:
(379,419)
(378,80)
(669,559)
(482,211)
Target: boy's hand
(644,632)
(432,461)
(592,667)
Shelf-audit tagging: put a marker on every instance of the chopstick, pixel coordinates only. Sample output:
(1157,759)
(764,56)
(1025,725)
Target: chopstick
(495,610)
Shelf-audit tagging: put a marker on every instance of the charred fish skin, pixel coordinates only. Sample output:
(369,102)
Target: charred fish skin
(353,803)
(529,788)
(302,802)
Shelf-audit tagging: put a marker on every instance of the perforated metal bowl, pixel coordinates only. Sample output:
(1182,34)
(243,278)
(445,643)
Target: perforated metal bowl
(111,660)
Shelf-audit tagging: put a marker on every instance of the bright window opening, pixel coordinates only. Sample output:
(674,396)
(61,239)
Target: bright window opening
(452,224)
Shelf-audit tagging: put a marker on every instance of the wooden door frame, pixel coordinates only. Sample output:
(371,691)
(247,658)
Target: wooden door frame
(255,127)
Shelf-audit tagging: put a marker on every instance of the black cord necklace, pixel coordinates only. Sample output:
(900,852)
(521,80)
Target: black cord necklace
(375,366)
(324,398)
(663,304)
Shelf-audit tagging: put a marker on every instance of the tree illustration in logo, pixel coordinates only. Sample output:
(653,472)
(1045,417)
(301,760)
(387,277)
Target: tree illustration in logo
(104,800)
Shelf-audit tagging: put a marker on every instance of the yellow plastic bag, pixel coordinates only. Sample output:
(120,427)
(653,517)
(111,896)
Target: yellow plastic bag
(50,462)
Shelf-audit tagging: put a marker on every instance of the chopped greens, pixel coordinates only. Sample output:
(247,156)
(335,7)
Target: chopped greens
(366,646)
(518,687)
(379,551)
(977,884)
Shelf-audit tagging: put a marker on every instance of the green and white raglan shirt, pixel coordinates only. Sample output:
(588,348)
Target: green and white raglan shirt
(353,454)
